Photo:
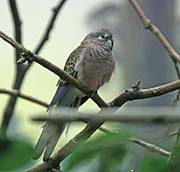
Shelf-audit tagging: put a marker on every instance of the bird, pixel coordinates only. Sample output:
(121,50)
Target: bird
(92,63)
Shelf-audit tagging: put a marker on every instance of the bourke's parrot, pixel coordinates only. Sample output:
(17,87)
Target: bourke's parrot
(92,63)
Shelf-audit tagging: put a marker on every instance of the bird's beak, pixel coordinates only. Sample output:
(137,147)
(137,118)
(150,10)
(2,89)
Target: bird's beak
(110,43)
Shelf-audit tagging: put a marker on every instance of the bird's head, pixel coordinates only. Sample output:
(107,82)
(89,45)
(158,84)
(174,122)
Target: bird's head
(101,37)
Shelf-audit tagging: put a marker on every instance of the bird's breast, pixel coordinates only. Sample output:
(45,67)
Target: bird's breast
(92,71)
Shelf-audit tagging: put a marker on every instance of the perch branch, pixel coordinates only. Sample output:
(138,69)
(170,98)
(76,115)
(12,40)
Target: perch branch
(91,128)
(53,68)
(142,143)
(148,146)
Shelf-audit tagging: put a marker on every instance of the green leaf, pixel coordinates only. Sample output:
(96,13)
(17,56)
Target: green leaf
(174,160)
(110,159)
(106,141)
(14,154)
(154,164)
(109,146)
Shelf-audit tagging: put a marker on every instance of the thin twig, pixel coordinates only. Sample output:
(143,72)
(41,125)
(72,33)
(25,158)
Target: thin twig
(150,147)
(20,68)
(17,24)
(147,23)
(176,99)
(24,96)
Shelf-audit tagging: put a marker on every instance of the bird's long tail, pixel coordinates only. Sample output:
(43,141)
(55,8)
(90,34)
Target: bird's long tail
(64,96)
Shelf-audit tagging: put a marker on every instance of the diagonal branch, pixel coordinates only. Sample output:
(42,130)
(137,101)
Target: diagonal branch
(24,96)
(150,147)
(142,143)
(155,30)
(172,53)
(90,128)
(28,55)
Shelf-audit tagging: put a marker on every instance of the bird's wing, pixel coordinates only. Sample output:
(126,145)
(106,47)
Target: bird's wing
(65,95)
(71,63)
(69,67)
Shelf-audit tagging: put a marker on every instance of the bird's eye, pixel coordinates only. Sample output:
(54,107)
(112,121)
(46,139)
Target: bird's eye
(101,37)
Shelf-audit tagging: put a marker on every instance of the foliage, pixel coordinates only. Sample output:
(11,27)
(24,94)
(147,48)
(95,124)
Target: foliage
(13,153)
(105,152)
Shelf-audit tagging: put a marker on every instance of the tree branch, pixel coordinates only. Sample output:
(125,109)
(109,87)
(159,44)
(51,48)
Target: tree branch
(131,94)
(171,51)
(150,147)
(146,145)
(155,30)
(17,24)
(90,128)
(24,96)
(28,55)
(21,69)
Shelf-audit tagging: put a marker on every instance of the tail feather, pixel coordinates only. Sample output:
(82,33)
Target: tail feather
(53,141)
(42,141)
(64,96)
